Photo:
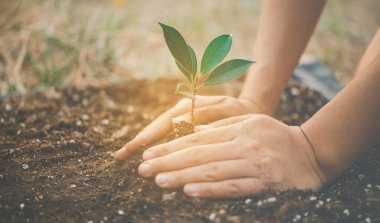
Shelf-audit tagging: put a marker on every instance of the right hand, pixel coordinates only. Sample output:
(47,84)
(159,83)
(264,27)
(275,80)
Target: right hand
(207,109)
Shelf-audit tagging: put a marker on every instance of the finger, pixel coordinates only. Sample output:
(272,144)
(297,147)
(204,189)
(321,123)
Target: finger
(161,126)
(192,156)
(201,138)
(154,131)
(228,188)
(222,123)
(209,172)
(206,114)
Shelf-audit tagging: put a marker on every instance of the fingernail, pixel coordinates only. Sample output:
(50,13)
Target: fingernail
(191,190)
(162,179)
(121,154)
(147,155)
(144,169)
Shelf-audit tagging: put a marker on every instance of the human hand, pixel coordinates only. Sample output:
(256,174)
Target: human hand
(207,109)
(235,157)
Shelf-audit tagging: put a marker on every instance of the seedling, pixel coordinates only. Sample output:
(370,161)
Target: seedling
(210,74)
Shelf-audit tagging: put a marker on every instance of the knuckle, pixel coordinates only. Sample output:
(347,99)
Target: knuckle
(194,156)
(191,139)
(233,189)
(211,173)
(252,145)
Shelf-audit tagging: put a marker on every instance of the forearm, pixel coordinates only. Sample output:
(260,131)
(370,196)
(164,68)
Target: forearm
(349,125)
(284,31)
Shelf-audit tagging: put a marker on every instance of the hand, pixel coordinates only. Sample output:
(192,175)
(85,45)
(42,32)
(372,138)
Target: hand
(235,157)
(207,109)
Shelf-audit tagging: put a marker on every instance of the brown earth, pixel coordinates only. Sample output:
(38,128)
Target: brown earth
(55,164)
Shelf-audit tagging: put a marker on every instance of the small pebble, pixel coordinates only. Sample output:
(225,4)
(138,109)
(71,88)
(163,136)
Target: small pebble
(361,176)
(130,108)
(272,199)
(11,151)
(72,141)
(168,196)
(85,117)
(25,166)
(346,212)
(313,198)
(248,201)
(297,218)
(105,122)
(294,91)
(78,123)
(212,217)
(369,185)
(368,220)
(85,102)
(377,186)
(319,204)
(90,221)
(22,205)
(145,116)
(120,212)
(1,176)
(328,200)
(259,203)
(8,107)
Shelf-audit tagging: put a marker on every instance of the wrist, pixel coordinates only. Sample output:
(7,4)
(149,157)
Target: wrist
(328,162)
(264,86)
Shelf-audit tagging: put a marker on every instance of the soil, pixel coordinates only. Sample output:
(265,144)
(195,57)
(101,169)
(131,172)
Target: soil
(55,164)
(180,129)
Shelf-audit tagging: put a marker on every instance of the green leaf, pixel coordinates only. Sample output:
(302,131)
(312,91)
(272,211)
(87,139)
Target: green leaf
(184,71)
(215,52)
(184,90)
(179,49)
(194,61)
(227,71)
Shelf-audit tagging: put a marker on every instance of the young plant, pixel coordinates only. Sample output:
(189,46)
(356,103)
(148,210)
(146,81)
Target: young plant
(210,74)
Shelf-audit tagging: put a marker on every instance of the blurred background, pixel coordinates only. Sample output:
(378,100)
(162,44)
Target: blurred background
(59,43)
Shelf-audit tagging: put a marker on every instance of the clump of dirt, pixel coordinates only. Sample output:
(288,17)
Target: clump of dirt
(55,164)
(180,129)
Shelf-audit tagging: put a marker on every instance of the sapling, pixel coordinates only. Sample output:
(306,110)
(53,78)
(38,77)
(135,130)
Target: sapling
(209,74)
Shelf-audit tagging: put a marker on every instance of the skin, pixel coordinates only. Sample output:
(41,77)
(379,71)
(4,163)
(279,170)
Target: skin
(249,153)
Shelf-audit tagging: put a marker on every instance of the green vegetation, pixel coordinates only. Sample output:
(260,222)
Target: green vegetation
(210,74)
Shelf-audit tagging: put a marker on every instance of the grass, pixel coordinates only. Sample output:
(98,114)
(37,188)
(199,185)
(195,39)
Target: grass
(78,42)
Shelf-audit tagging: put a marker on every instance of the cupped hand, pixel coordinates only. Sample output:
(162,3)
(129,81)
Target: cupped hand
(235,157)
(207,109)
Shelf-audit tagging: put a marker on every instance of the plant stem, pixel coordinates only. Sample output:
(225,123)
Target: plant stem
(193,105)
(194,90)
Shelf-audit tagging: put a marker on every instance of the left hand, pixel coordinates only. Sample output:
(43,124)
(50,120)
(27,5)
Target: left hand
(235,157)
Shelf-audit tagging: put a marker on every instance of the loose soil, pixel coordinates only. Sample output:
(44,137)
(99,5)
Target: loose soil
(55,164)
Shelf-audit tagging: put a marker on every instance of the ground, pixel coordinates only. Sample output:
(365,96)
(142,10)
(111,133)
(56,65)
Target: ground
(55,163)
